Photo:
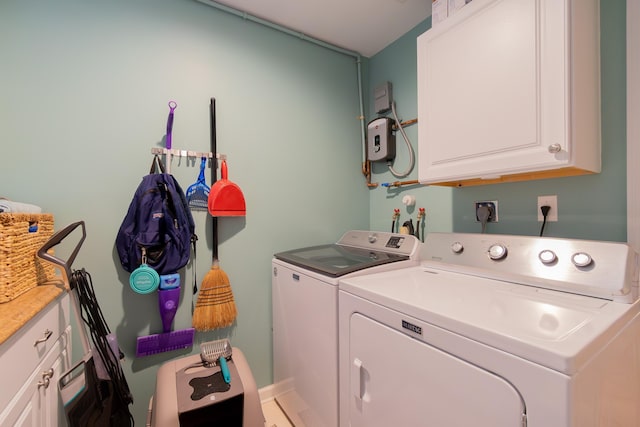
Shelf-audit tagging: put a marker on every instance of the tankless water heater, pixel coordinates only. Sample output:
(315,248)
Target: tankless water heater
(381,142)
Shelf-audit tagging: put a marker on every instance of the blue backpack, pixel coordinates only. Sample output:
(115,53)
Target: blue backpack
(158,225)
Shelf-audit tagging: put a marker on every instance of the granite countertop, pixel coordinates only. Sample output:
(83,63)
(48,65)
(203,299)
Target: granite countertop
(16,313)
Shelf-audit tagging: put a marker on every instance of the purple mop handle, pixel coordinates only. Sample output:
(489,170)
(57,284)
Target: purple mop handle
(172,107)
(168,300)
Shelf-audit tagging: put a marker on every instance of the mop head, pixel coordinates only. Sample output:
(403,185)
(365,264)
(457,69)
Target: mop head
(215,307)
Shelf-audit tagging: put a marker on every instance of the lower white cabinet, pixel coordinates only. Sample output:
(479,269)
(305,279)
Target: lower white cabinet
(31,362)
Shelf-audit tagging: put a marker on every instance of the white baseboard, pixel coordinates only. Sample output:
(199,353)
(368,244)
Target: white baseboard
(269,392)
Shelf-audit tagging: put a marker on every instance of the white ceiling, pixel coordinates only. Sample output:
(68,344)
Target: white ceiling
(362,26)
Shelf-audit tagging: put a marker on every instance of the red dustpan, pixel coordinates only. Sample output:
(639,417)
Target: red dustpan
(225,197)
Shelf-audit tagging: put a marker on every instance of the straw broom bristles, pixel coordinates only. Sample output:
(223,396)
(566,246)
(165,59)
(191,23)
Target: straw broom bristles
(215,307)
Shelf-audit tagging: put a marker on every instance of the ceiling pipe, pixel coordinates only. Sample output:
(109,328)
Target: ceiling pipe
(302,36)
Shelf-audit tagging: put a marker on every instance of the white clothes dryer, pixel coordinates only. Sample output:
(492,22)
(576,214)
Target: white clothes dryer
(305,317)
(493,331)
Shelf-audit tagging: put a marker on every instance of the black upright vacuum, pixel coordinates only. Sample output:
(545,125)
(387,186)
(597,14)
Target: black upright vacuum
(94,391)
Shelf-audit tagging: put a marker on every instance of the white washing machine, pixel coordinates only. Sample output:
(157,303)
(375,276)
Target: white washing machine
(305,317)
(492,331)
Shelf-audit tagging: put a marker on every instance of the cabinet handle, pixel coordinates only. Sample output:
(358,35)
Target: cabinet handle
(47,335)
(555,148)
(46,378)
(44,383)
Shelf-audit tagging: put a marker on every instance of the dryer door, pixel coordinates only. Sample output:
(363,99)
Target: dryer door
(400,381)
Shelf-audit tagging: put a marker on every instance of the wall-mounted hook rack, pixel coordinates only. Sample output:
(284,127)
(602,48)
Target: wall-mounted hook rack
(174,152)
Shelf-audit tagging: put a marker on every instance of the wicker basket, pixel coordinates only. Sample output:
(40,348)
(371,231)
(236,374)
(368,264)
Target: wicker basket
(21,236)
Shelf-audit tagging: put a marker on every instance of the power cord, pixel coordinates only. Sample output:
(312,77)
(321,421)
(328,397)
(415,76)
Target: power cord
(407,227)
(545,212)
(483,213)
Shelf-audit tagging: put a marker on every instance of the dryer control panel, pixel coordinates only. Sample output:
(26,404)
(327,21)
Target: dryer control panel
(585,267)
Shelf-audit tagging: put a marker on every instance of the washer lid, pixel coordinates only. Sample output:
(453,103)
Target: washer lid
(336,260)
(555,329)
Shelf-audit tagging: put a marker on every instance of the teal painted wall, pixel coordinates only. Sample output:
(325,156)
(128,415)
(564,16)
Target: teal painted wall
(589,207)
(397,64)
(84,89)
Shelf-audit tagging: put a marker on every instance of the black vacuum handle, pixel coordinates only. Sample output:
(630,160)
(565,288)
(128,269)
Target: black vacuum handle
(55,240)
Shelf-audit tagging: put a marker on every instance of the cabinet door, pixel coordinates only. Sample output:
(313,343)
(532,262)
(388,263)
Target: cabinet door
(53,414)
(25,415)
(497,84)
(27,348)
(37,403)
(399,381)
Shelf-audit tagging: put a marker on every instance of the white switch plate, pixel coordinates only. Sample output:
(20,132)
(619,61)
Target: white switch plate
(553,212)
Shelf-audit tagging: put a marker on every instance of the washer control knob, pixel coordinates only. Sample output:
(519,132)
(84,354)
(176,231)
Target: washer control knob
(547,256)
(497,252)
(457,247)
(581,259)
(372,238)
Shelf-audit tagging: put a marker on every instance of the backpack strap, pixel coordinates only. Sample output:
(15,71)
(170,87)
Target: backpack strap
(156,165)
(169,202)
(194,269)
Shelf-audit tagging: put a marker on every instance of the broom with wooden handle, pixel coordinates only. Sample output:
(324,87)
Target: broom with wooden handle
(215,307)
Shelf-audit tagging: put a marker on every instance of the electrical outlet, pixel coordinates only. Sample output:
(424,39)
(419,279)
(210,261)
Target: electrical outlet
(551,201)
(492,205)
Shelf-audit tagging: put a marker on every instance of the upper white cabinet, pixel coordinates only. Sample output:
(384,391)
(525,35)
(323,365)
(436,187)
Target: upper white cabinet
(510,90)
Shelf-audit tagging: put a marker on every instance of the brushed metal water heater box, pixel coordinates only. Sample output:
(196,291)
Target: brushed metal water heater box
(383,97)
(381,142)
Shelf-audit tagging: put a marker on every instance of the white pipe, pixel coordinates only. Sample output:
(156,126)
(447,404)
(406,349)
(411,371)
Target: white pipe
(633,128)
(302,36)
(361,118)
